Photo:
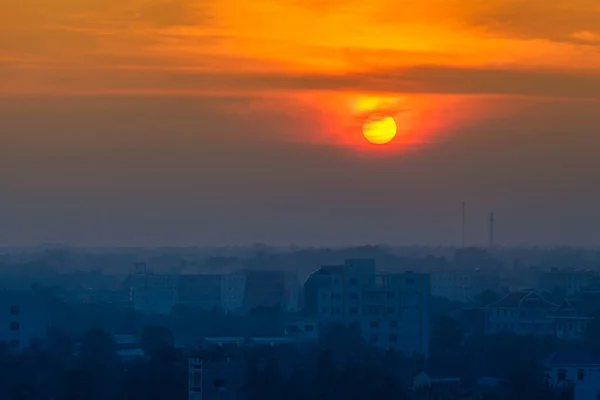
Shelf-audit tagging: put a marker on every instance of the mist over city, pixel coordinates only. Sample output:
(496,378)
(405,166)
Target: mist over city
(263,322)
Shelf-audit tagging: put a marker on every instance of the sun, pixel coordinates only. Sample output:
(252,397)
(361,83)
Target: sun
(379,130)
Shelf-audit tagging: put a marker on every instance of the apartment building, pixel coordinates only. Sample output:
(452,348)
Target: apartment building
(238,291)
(391,309)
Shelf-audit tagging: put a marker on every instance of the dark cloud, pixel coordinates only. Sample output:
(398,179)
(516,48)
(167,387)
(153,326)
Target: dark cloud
(424,79)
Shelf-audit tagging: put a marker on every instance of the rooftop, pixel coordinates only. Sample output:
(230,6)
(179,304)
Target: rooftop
(523,299)
(572,357)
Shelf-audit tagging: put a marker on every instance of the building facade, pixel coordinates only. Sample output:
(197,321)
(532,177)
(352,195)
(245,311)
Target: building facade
(577,370)
(392,310)
(238,291)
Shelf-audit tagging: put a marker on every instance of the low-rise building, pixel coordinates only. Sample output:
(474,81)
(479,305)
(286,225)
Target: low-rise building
(577,370)
(572,316)
(521,313)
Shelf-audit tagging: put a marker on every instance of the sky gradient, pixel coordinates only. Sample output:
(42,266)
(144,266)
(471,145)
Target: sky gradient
(233,121)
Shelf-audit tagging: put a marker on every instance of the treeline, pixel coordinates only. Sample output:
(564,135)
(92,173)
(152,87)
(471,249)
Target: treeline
(342,366)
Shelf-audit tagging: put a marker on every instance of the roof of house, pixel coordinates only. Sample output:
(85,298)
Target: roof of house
(571,357)
(586,305)
(523,299)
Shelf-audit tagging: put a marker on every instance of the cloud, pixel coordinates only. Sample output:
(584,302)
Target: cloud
(418,79)
(586,36)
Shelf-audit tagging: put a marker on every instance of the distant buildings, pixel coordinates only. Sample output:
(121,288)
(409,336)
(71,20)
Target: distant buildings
(462,285)
(391,309)
(239,291)
(567,282)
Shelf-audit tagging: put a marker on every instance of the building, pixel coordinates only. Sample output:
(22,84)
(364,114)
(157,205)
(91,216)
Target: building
(238,291)
(216,379)
(522,313)
(154,293)
(462,285)
(23,318)
(572,316)
(128,347)
(233,287)
(310,305)
(566,282)
(391,309)
(302,330)
(201,291)
(577,370)
(264,288)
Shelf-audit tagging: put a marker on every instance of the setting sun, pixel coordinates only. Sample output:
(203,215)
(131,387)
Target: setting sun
(379,130)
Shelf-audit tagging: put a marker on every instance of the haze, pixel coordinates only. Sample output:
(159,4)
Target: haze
(202,122)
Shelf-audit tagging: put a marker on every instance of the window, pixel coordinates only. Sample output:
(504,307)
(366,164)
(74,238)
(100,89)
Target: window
(338,310)
(374,324)
(353,310)
(14,326)
(196,379)
(393,324)
(580,375)
(393,338)
(14,343)
(353,281)
(561,375)
(391,310)
(324,310)
(309,328)
(353,296)
(374,338)
(410,281)
(14,310)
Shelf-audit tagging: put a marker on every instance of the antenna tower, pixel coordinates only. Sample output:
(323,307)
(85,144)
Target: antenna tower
(491,229)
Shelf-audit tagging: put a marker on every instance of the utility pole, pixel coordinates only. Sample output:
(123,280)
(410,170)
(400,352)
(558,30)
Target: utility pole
(463,227)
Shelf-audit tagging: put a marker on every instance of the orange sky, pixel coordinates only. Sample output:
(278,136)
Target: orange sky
(54,46)
(288,47)
(268,81)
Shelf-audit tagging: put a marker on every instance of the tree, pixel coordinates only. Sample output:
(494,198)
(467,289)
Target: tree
(155,338)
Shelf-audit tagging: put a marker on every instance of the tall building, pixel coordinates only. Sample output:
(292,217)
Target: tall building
(154,293)
(391,309)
